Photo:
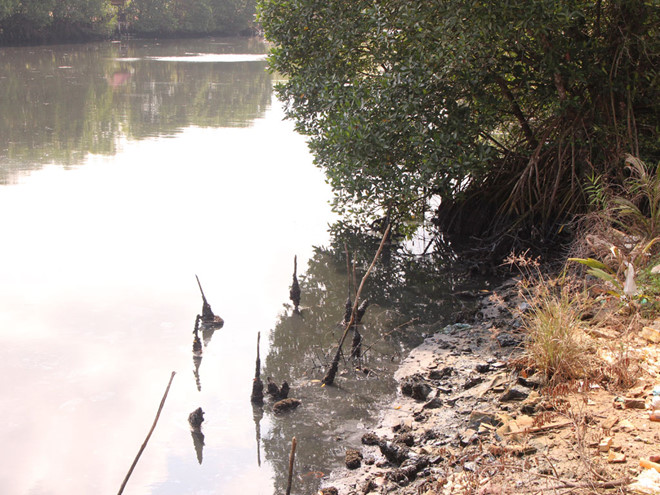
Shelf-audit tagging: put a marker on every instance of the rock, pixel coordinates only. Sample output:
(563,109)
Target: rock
(331,490)
(472,381)
(507,340)
(477,418)
(616,457)
(537,380)
(435,403)
(605,444)
(416,387)
(353,459)
(516,428)
(609,422)
(634,403)
(483,368)
(421,391)
(514,393)
(407,439)
(530,404)
(468,436)
(285,405)
(441,373)
(394,453)
(370,439)
(647,482)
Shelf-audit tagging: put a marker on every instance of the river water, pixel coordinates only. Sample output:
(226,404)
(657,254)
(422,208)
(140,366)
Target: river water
(125,170)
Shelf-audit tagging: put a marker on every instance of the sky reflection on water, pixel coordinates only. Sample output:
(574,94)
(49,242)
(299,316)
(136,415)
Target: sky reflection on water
(98,300)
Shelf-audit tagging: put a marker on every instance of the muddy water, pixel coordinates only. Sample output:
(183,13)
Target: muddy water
(125,170)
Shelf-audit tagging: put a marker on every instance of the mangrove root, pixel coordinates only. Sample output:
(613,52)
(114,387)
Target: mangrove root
(277,393)
(196,418)
(294,292)
(257,396)
(208,317)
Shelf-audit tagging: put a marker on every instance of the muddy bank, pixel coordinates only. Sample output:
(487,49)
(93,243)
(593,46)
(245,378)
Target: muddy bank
(456,380)
(466,421)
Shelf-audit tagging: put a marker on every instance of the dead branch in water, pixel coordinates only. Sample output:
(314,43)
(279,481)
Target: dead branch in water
(292,457)
(332,372)
(144,444)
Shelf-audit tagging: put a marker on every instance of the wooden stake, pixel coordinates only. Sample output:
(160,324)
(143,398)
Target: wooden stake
(144,444)
(292,457)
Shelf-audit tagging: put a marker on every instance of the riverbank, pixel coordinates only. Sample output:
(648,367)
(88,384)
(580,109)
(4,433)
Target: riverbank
(469,419)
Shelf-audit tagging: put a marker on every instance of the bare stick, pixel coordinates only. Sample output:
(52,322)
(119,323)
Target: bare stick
(348,268)
(537,429)
(153,427)
(330,375)
(292,457)
(200,288)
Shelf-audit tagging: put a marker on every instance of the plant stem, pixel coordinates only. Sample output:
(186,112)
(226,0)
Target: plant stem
(330,375)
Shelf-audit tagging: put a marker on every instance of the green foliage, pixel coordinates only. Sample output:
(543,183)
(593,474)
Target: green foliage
(510,101)
(172,17)
(638,209)
(55,20)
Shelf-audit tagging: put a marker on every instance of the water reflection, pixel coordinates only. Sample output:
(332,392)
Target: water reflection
(198,443)
(97,301)
(195,420)
(62,102)
(197,354)
(258,414)
(301,345)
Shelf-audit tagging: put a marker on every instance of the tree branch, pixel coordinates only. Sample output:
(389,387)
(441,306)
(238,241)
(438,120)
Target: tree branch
(527,130)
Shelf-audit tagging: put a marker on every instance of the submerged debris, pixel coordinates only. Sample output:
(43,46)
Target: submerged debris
(285,405)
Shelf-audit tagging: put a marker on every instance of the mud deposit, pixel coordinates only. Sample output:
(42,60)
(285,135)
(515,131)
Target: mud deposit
(465,421)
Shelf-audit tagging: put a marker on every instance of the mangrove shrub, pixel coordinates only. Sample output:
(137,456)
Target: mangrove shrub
(500,108)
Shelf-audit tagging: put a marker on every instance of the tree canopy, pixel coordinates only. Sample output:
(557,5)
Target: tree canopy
(35,21)
(500,108)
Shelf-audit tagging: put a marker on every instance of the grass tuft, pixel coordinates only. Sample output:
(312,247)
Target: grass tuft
(556,346)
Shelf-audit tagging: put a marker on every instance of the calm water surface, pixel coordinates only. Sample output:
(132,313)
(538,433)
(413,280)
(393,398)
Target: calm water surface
(126,169)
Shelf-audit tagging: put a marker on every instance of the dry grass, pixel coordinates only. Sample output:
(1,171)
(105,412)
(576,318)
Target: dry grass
(556,345)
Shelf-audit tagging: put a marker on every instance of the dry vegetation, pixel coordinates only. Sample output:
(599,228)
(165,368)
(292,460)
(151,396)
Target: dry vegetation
(593,333)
